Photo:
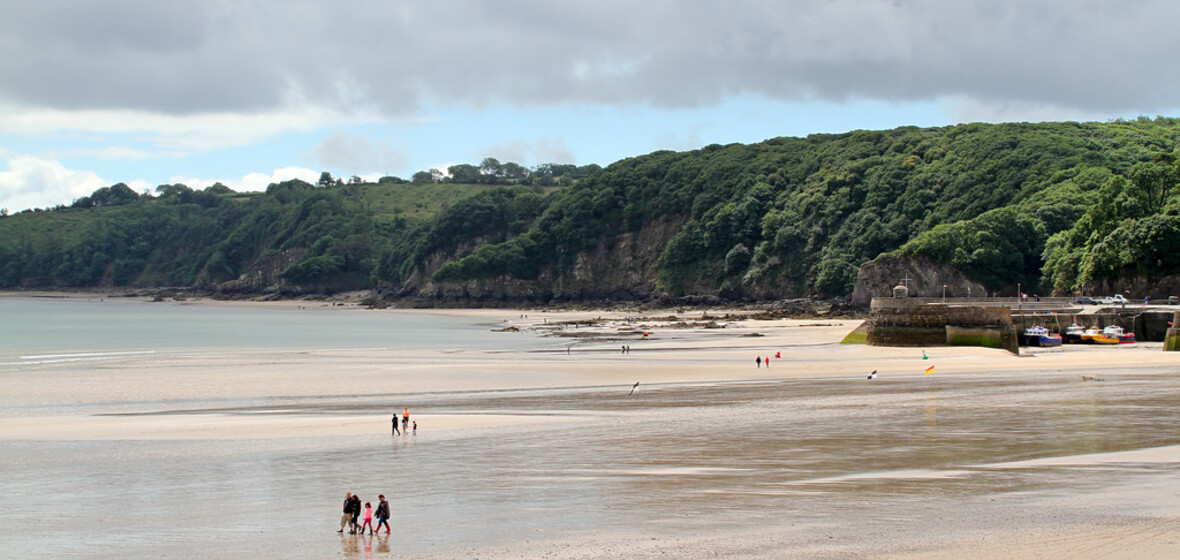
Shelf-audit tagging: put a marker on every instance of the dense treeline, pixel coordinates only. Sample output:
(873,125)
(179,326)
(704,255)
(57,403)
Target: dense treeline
(1059,205)
(798,216)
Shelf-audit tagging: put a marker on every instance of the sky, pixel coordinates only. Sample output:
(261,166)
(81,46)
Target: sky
(249,93)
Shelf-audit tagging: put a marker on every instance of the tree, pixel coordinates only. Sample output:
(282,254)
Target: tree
(422,177)
(1154,182)
(114,195)
(169,191)
(218,188)
(464,173)
(512,170)
(490,167)
(326,180)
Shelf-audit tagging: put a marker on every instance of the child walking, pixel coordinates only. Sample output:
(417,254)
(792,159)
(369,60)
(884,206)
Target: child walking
(368,518)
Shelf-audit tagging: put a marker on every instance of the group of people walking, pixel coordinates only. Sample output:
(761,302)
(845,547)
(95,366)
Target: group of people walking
(760,361)
(405,423)
(352,515)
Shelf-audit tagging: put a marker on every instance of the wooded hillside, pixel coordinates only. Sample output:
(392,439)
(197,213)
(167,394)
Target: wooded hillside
(1059,206)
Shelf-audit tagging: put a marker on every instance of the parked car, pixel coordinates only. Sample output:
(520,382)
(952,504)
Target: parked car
(1116,299)
(1173,300)
(1084,300)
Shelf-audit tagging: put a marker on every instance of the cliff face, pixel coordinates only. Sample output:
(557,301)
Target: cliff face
(622,268)
(1135,288)
(263,277)
(878,277)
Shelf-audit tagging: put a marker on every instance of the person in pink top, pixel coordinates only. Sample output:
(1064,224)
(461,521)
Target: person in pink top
(368,518)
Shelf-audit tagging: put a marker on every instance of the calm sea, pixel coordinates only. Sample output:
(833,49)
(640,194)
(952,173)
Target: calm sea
(40,330)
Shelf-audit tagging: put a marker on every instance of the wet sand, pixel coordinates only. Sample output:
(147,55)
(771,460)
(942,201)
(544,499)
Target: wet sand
(542,453)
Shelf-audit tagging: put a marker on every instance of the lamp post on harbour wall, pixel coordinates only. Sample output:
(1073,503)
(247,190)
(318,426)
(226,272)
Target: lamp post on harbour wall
(944,293)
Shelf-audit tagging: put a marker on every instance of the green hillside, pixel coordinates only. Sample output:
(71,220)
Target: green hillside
(1059,205)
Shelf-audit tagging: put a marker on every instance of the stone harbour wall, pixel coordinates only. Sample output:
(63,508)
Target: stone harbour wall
(1172,338)
(926,322)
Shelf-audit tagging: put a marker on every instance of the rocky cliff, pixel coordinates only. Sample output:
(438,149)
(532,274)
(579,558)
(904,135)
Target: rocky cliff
(621,269)
(923,277)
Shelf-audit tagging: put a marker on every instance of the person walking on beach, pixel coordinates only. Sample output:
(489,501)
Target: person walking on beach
(382,514)
(768,361)
(415,427)
(395,430)
(347,511)
(355,511)
(405,420)
(368,518)
(759,361)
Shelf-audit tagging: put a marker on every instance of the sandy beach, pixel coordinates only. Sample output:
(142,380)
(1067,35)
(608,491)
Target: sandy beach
(1000,456)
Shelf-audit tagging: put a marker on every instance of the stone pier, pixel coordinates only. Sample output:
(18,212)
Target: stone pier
(923,322)
(1172,338)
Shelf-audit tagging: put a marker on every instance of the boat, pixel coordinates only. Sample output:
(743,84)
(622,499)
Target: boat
(1117,334)
(1094,335)
(1073,334)
(1039,336)
(1110,335)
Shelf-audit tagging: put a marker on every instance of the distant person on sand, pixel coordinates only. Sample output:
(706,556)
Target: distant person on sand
(758,360)
(394,421)
(768,361)
(405,419)
(415,427)
(347,511)
(383,513)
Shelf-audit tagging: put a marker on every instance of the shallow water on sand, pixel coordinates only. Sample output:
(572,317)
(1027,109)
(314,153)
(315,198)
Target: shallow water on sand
(834,458)
(43,331)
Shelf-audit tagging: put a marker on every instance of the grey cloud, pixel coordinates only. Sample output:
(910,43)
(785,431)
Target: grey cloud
(354,154)
(185,57)
(544,150)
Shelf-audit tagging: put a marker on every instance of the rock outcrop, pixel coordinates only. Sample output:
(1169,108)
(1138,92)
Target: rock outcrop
(923,277)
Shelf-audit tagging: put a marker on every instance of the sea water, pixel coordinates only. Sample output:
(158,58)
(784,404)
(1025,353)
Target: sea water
(56,329)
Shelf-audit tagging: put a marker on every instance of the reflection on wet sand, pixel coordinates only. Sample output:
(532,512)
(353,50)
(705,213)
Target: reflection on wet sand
(546,455)
(775,454)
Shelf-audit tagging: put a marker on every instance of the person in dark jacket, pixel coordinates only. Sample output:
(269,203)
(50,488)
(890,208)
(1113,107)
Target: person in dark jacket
(347,511)
(356,512)
(382,514)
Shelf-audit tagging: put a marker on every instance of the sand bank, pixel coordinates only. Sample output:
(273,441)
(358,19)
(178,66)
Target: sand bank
(190,389)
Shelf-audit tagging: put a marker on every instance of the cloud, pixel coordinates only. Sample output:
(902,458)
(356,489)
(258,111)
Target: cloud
(175,134)
(972,110)
(365,57)
(524,152)
(251,182)
(689,140)
(355,154)
(32,182)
